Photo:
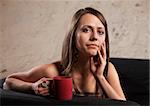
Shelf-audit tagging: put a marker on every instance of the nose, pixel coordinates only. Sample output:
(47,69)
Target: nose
(93,36)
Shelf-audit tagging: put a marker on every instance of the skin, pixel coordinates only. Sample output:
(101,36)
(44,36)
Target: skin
(90,37)
(90,41)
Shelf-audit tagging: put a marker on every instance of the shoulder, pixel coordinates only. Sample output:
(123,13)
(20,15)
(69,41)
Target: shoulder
(110,65)
(53,69)
(112,70)
(46,70)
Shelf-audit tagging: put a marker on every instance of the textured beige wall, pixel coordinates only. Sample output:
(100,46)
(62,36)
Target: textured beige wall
(1,63)
(32,31)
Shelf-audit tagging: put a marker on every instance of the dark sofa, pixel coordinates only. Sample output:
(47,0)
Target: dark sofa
(134,77)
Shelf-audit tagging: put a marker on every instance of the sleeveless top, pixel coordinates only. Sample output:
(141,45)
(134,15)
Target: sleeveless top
(76,91)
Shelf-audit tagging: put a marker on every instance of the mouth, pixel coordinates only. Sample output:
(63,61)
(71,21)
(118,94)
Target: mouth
(94,46)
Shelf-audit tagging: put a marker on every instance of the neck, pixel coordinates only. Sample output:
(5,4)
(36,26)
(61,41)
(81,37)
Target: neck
(82,65)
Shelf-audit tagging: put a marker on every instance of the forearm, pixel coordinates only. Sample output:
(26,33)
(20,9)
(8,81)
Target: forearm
(111,93)
(16,84)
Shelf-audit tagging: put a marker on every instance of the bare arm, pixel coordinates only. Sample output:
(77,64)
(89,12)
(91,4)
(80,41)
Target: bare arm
(112,85)
(23,81)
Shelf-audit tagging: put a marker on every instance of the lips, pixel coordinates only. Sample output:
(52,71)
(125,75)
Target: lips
(92,45)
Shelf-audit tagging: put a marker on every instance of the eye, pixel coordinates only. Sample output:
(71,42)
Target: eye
(86,30)
(100,32)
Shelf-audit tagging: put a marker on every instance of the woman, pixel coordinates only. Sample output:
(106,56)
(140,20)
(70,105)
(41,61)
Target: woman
(85,57)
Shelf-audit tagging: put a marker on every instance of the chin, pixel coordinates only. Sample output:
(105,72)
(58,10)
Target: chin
(93,53)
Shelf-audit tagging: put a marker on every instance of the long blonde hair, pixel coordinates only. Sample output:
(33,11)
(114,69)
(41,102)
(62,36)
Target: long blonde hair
(69,46)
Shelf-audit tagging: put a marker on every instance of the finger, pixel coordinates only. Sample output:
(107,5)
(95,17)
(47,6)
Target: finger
(44,84)
(100,57)
(39,83)
(44,92)
(45,79)
(104,51)
(42,89)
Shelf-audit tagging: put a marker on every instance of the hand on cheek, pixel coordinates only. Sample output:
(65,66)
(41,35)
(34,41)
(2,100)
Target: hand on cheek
(98,62)
(101,60)
(103,50)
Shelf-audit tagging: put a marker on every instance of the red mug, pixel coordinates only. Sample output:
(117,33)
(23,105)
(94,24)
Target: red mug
(62,88)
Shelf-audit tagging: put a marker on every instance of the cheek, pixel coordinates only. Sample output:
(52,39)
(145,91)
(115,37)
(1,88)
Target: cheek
(79,43)
(101,40)
(80,40)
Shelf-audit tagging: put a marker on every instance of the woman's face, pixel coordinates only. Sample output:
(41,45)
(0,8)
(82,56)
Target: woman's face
(90,35)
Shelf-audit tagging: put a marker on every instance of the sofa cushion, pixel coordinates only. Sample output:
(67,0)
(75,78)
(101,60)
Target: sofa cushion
(14,98)
(134,77)
(133,74)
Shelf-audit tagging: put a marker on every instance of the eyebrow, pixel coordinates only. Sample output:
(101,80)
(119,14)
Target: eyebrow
(89,26)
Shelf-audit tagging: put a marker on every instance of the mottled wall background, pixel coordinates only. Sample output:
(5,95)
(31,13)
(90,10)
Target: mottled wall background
(32,31)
